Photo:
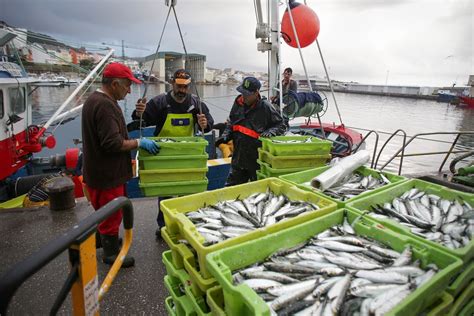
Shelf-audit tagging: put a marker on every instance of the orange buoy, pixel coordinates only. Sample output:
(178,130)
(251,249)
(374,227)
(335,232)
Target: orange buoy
(306,25)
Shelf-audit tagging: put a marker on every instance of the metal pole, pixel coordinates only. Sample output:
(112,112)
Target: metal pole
(83,83)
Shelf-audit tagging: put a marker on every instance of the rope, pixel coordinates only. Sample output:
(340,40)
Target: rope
(151,69)
(185,62)
(329,81)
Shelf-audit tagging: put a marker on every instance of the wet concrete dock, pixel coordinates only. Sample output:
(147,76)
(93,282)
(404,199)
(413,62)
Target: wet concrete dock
(136,290)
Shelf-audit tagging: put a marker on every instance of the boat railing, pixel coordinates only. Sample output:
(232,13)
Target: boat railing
(400,153)
(371,132)
(81,281)
(385,144)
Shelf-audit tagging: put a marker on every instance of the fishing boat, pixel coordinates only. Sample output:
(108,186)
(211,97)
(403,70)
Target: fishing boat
(140,290)
(469,101)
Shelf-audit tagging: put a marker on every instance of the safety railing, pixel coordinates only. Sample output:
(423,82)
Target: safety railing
(403,148)
(372,164)
(401,152)
(82,279)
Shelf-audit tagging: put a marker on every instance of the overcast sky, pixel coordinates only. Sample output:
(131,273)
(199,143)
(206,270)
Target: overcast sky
(419,42)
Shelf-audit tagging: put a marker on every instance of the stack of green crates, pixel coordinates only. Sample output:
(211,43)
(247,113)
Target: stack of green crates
(282,155)
(182,301)
(190,256)
(180,167)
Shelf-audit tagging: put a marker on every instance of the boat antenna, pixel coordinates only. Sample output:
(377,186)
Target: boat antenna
(147,82)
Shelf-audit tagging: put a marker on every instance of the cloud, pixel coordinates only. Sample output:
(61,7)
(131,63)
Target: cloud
(361,39)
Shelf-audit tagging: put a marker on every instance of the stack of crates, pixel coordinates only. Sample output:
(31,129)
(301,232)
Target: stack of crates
(288,154)
(186,262)
(178,169)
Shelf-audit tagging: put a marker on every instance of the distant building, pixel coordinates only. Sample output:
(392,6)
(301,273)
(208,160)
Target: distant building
(167,62)
(209,75)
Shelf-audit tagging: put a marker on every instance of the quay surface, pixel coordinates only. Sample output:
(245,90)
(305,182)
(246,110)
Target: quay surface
(136,290)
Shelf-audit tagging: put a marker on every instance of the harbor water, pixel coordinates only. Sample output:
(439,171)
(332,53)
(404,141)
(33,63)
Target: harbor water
(360,112)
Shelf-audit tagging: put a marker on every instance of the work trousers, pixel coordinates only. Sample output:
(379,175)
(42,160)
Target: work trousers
(239,176)
(100,197)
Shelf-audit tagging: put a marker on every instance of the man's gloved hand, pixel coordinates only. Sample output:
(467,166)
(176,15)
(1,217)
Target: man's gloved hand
(149,145)
(267,134)
(222,140)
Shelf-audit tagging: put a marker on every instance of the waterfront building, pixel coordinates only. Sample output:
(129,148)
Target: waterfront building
(167,62)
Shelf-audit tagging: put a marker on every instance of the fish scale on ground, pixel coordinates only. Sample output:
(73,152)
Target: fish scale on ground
(449,222)
(320,277)
(228,219)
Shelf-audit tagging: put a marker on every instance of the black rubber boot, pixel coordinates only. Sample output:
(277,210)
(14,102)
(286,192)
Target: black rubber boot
(111,246)
(98,241)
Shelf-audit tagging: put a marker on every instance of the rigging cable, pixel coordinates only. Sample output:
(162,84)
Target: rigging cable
(327,76)
(151,69)
(302,60)
(186,58)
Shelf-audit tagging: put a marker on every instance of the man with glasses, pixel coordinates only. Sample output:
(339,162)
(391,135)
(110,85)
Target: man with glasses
(107,164)
(175,114)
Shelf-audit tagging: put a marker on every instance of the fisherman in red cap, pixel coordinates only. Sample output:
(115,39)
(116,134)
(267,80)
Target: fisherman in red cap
(107,164)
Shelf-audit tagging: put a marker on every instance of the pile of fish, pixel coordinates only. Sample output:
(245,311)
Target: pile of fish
(228,219)
(450,223)
(335,273)
(355,184)
(292,141)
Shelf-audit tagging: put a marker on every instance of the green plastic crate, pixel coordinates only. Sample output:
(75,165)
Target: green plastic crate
(188,272)
(300,161)
(179,225)
(260,176)
(172,270)
(465,253)
(181,301)
(215,300)
(172,162)
(268,171)
(193,146)
(170,175)
(315,147)
(464,299)
(303,178)
(441,306)
(169,305)
(242,300)
(462,280)
(468,310)
(173,188)
(198,302)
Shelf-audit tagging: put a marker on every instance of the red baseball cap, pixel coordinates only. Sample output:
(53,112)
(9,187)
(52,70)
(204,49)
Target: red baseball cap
(118,70)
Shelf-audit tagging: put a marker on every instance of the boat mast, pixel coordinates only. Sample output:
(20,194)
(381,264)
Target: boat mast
(269,34)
